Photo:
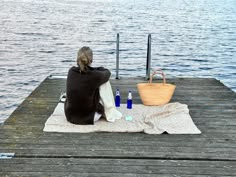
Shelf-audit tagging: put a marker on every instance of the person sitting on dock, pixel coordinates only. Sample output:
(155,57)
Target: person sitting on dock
(88,91)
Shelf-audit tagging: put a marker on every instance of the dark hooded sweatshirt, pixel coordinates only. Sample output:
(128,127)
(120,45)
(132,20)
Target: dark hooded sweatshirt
(82,94)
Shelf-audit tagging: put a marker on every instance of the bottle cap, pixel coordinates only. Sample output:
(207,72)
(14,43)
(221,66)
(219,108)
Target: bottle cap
(117,92)
(130,95)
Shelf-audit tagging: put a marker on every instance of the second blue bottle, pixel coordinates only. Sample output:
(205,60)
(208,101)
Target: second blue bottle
(129,100)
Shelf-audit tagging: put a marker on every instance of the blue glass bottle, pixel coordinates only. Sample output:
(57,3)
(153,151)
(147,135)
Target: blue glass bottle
(129,100)
(117,98)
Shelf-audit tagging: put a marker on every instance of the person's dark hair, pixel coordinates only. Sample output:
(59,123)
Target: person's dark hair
(84,58)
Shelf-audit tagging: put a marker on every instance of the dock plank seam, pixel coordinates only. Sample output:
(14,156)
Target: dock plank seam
(123,157)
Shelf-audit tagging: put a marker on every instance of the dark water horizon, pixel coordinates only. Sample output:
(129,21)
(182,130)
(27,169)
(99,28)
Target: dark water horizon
(41,38)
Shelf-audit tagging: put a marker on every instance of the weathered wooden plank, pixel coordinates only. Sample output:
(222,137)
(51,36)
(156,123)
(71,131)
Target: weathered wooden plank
(171,150)
(75,174)
(132,140)
(101,138)
(105,167)
(129,151)
(205,83)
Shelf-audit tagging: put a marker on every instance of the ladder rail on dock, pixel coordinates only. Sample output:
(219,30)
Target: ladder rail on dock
(148,61)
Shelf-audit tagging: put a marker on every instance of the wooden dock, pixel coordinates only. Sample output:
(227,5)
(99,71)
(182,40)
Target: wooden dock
(212,153)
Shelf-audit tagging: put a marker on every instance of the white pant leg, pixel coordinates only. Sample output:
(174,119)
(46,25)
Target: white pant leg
(107,99)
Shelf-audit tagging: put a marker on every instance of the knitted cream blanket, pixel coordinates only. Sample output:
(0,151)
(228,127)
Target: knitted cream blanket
(173,118)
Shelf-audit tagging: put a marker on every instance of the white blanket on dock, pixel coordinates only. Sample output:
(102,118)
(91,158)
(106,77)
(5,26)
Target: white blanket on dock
(173,118)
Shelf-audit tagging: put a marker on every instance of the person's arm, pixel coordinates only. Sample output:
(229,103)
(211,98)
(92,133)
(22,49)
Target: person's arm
(102,75)
(100,68)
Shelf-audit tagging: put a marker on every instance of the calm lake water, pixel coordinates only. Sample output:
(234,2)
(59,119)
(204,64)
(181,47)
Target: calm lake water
(190,38)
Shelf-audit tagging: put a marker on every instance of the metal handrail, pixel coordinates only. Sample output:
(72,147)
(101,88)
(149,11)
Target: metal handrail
(117,55)
(148,63)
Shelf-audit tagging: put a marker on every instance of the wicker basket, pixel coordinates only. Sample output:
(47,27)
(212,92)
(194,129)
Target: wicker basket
(154,94)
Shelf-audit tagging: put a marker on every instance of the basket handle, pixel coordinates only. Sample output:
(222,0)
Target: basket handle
(160,72)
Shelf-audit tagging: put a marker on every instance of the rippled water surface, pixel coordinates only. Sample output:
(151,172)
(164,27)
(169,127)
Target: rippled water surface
(190,38)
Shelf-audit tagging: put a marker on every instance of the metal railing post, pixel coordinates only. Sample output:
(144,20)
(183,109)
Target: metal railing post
(148,65)
(117,55)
